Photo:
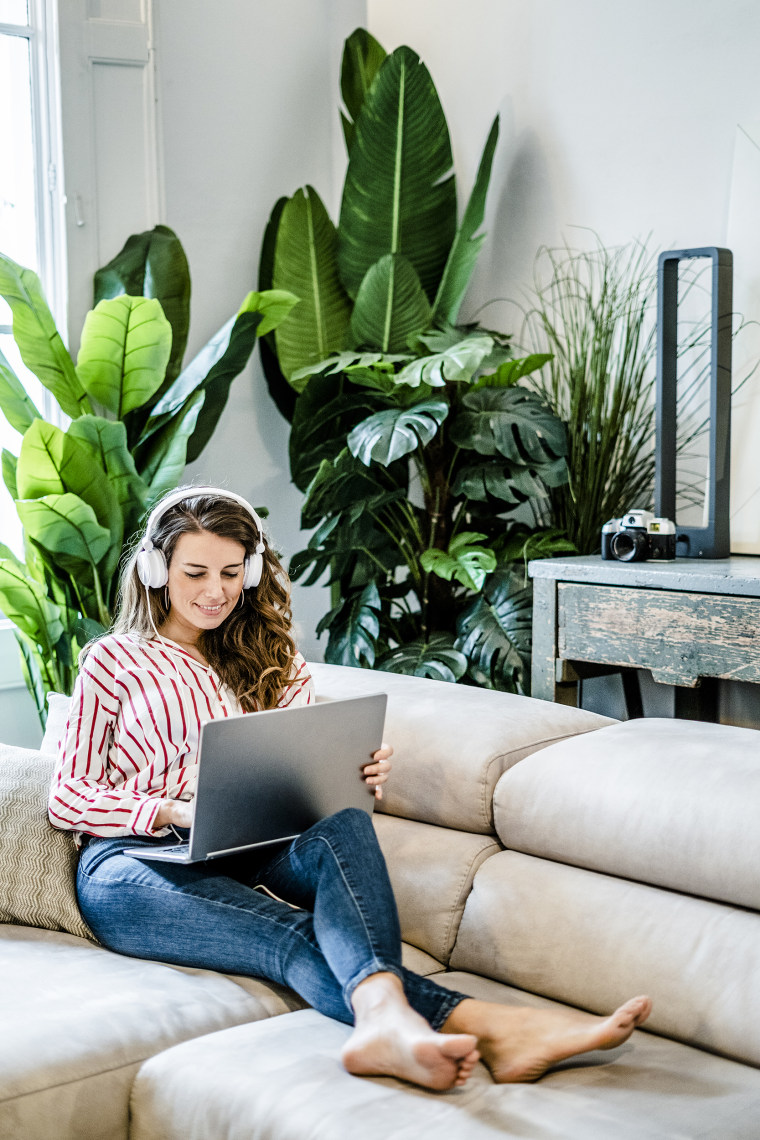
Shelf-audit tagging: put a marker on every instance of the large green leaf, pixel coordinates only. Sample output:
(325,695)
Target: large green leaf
(388,435)
(510,371)
(459,362)
(106,442)
(10,463)
(354,627)
(66,528)
(52,462)
(41,348)
(305,264)
(434,657)
(25,602)
(279,388)
(509,421)
(125,347)
(498,479)
(466,247)
(494,633)
(345,483)
(325,413)
(165,456)
(153,264)
(399,195)
(465,560)
(391,305)
(362,57)
(15,404)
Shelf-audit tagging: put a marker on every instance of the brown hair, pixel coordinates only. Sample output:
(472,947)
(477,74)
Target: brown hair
(253,650)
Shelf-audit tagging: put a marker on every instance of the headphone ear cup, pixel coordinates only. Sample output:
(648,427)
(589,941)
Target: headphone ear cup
(254,564)
(152,569)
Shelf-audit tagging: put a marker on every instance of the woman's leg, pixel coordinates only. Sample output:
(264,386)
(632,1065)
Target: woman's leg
(337,871)
(197,916)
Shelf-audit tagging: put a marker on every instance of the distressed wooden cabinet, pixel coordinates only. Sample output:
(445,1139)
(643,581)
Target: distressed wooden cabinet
(689,622)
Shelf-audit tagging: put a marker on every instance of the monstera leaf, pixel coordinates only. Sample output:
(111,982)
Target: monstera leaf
(510,371)
(388,435)
(399,195)
(459,362)
(494,632)
(434,657)
(354,627)
(512,422)
(465,561)
(325,413)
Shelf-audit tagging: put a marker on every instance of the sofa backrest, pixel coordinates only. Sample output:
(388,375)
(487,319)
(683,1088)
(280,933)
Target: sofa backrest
(632,867)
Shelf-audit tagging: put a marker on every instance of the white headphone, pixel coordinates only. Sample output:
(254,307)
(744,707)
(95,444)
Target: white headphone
(152,569)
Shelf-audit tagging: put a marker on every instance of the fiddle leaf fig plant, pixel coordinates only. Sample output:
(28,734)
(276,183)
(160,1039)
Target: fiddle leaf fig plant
(413,437)
(135,418)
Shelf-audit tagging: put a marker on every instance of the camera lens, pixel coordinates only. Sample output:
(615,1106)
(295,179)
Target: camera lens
(628,546)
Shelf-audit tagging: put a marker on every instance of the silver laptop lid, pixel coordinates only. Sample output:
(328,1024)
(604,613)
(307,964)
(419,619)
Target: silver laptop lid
(271,775)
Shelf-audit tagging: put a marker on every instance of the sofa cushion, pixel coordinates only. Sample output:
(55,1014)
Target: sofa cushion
(662,801)
(57,717)
(282,1080)
(37,862)
(452,742)
(592,941)
(78,1020)
(431,870)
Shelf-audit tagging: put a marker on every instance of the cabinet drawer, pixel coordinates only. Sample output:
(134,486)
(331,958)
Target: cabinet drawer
(679,636)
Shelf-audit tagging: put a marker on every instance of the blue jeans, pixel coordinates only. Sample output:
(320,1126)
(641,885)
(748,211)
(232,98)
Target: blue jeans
(211,915)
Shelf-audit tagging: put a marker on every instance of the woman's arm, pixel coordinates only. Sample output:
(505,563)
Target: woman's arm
(87,792)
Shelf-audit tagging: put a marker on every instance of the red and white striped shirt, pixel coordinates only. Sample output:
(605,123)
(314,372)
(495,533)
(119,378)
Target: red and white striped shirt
(133,732)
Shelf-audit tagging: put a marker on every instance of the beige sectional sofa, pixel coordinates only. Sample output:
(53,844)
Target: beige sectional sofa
(540,854)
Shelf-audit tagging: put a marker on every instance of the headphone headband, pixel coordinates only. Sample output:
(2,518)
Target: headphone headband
(151,563)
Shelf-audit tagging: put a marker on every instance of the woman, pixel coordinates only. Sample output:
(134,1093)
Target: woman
(203,631)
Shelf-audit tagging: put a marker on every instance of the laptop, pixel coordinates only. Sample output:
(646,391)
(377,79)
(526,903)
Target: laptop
(263,778)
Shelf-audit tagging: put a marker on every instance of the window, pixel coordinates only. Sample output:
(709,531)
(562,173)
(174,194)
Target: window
(31,205)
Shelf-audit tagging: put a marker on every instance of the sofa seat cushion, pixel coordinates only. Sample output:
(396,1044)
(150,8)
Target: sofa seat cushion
(452,742)
(593,941)
(78,1017)
(282,1080)
(668,802)
(431,871)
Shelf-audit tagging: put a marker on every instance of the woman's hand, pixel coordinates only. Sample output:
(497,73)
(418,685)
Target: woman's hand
(178,812)
(376,773)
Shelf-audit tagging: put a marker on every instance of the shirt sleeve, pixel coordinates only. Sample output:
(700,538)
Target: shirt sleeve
(85,793)
(301,689)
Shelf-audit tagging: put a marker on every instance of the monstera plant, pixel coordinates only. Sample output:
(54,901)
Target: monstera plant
(136,417)
(413,437)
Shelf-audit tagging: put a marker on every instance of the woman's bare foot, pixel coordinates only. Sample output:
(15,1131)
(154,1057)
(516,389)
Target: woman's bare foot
(520,1044)
(391,1040)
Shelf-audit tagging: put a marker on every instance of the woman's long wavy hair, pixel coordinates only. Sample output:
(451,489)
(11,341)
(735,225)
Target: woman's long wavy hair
(253,650)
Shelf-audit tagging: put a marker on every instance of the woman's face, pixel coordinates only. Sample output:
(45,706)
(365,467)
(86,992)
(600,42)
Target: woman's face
(205,583)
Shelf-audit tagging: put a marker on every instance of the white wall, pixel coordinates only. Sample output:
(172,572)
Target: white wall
(620,117)
(248,97)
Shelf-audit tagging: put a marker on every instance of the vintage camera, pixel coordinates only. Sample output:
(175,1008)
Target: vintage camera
(639,537)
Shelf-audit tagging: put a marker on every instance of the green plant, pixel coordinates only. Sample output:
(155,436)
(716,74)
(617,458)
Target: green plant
(136,418)
(595,312)
(413,437)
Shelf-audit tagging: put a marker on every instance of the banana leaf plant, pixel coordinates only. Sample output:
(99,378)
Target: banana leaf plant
(412,437)
(136,417)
